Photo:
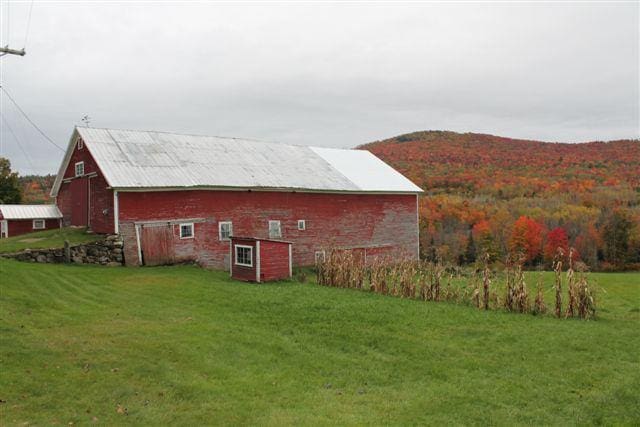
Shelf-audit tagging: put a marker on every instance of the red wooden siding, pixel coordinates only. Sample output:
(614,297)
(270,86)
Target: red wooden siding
(274,260)
(86,200)
(332,220)
(80,201)
(23,226)
(242,272)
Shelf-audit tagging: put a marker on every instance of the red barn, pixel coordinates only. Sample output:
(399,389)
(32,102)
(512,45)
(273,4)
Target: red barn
(21,219)
(177,198)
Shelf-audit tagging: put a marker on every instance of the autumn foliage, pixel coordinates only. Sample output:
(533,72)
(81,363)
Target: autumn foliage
(485,193)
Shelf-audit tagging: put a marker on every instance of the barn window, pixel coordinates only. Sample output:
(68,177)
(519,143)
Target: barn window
(225,229)
(38,224)
(302,224)
(79,168)
(320,257)
(274,230)
(244,255)
(186,231)
(80,143)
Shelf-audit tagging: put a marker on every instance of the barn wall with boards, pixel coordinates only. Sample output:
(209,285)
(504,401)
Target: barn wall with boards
(387,224)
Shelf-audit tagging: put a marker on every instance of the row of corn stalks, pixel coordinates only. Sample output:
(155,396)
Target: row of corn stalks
(430,281)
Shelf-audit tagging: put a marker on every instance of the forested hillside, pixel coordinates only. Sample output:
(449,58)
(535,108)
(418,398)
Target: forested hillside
(485,193)
(36,188)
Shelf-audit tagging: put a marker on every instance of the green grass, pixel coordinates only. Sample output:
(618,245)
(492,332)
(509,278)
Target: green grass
(47,239)
(187,346)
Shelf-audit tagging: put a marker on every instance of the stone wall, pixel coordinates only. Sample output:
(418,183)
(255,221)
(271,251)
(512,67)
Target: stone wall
(105,252)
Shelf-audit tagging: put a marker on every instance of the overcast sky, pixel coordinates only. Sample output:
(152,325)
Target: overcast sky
(335,75)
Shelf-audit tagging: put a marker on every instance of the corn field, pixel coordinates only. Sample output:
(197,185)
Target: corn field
(434,281)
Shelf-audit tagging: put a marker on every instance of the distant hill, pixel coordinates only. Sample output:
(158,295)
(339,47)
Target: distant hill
(36,188)
(486,181)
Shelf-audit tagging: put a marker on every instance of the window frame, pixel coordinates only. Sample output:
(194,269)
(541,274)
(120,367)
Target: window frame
(318,254)
(274,221)
(76,168)
(43,221)
(187,224)
(80,143)
(302,222)
(220,224)
(235,258)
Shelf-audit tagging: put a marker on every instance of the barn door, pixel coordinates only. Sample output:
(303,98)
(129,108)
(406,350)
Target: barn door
(157,244)
(80,202)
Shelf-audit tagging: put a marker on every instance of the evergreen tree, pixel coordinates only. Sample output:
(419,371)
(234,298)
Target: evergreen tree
(616,237)
(470,252)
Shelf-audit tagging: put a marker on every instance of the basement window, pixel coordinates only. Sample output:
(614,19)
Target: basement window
(225,229)
(186,231)
(302,225)
(319,257)
(274,230)
(79,168)
(244,255)
(38,224)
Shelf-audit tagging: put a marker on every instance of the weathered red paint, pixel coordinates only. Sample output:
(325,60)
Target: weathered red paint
(80,200)
(17,227)
(242,272)
(87,200)
(385,224)
(270,259)
(274,260)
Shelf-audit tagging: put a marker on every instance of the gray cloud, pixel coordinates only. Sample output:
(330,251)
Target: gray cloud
(322,74)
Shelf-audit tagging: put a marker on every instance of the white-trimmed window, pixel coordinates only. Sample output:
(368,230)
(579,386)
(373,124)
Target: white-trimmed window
(38,224)
(79,168)
(274,230)
(319,257)
(302,224)
(186,230)
(80,143)
(225,230)
(244,255)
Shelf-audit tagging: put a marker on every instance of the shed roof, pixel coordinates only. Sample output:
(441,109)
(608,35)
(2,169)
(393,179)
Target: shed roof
(30,211)
(157,160)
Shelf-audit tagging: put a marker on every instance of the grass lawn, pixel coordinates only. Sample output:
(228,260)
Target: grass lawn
(47,239)
(187,346)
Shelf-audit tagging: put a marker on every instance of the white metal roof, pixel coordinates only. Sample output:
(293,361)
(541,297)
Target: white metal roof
(146,160)
(30,211)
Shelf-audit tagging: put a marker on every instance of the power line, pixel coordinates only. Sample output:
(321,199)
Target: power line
(31,121)
(26,156)
(26,33)
(8,22)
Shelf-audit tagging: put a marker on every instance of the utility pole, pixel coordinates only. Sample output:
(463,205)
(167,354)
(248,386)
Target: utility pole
(6,51)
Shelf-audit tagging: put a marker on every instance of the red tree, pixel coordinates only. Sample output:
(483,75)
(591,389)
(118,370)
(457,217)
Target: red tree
(526,238)
(557,238)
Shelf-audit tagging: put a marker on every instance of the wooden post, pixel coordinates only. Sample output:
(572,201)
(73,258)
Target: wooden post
(67,252)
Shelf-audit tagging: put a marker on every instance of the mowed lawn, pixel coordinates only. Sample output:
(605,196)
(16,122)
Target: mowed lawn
(182,345)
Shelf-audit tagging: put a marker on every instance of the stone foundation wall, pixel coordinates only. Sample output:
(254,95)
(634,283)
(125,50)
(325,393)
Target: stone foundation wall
(105,252)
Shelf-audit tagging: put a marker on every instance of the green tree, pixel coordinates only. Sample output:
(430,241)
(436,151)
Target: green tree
(9,186)
(615,234)
(470,252)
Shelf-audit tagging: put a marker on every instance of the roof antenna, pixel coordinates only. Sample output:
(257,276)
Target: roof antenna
(86,120)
